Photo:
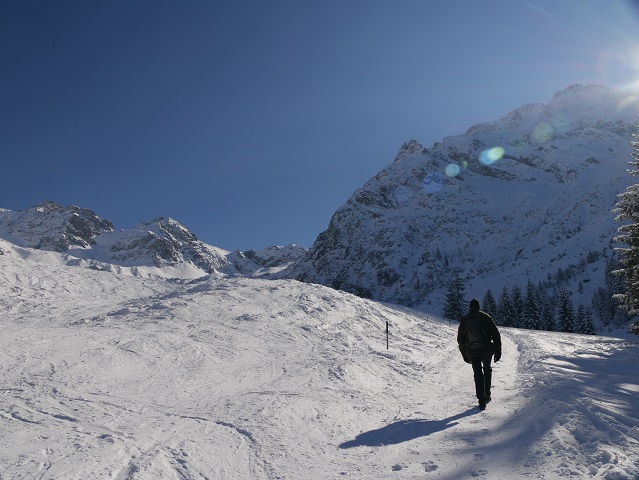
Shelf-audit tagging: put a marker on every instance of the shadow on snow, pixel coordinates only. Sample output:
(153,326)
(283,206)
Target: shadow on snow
(404,431)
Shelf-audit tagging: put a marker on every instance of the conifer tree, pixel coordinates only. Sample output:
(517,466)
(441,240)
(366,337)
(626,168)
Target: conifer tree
(583,322)
(566,312)
(580,320)
(627,211)
(546,309)
(505,311)
(517,300)
(454,306)
(589,326)
(620,317)
(601,301)
(532,311)
(489,305)
(548,315)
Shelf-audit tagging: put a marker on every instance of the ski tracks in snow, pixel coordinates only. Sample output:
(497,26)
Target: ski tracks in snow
(257,379)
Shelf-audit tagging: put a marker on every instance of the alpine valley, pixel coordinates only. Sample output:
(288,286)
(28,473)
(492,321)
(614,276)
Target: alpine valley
(146,354)
(526,198)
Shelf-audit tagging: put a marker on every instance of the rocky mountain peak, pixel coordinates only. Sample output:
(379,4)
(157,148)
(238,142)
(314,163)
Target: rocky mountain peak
(510,200)
(50,226)
(47,206)
(408,148)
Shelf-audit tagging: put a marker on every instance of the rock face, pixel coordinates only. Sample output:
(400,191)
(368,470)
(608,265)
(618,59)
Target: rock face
(508,201)
(49,226)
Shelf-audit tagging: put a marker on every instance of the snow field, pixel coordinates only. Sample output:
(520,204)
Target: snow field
(112,377)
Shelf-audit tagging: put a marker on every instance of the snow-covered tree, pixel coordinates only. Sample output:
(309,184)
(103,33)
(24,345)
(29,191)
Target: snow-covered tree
(627,211)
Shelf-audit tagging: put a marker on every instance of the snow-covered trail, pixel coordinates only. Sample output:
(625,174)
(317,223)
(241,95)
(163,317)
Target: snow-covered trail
(110,377)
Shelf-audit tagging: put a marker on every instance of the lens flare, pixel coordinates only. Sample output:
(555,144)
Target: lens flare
(543,132)
(433,182)
(452,170)
(627,102)
(490,156)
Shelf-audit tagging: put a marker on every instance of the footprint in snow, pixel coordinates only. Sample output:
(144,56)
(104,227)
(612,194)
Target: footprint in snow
(430,466)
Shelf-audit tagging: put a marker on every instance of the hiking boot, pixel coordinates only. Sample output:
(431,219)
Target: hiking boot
(488,376)
(482,406)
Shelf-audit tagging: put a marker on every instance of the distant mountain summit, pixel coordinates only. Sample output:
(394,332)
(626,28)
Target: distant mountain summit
(506,202)
(162,244)
(49,226)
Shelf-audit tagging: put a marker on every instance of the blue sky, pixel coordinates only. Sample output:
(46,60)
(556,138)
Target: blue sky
(251,122)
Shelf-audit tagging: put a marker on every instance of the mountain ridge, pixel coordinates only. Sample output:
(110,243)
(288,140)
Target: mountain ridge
(162,244)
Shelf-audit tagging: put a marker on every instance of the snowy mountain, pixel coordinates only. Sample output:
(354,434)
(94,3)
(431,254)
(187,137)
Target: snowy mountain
(50,226)
(509,201)
(162,247)
(111,376)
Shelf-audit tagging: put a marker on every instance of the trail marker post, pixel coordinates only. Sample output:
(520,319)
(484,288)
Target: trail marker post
(386,334)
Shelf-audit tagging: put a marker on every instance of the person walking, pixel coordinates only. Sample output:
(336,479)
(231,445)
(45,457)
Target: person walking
(478,340)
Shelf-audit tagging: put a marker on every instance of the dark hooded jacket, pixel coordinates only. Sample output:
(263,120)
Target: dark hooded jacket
(477,335)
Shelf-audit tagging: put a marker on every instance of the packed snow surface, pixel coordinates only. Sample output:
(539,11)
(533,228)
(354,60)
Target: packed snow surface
(108,376)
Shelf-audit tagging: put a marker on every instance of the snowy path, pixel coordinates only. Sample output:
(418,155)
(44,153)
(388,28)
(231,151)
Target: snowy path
(109,377)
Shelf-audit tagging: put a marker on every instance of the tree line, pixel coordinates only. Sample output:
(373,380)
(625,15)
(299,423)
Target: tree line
(533,309)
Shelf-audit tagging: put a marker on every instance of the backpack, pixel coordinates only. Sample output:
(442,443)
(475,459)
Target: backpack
(476,334)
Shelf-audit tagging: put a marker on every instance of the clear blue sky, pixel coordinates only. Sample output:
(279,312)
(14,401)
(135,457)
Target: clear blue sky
(251,122)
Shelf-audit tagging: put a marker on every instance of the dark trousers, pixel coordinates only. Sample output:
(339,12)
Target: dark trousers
(483,374)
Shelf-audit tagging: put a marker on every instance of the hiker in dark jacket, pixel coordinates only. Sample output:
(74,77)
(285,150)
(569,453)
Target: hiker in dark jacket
(478,340)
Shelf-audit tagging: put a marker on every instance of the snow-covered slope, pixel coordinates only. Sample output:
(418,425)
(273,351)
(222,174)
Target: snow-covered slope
(105,376)
(506,202)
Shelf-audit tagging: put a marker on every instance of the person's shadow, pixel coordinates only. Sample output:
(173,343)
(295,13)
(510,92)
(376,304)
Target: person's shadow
(404,430)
